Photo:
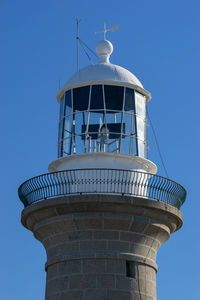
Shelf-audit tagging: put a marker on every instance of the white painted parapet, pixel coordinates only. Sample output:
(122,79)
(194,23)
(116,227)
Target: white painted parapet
(103,160)
(105,173)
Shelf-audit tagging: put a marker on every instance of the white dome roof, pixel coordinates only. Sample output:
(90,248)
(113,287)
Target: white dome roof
(104,72)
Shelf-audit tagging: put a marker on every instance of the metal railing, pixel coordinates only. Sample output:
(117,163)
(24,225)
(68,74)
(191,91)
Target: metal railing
(102,181)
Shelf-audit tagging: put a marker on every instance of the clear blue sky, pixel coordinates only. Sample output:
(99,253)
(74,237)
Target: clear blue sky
(159,42)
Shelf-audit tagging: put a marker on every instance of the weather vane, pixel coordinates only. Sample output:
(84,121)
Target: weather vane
(105,30)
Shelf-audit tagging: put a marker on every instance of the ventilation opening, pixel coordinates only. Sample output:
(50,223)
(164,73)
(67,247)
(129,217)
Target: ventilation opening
(130,269)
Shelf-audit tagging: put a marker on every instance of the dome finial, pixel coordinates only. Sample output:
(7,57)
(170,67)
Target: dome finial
(104,49)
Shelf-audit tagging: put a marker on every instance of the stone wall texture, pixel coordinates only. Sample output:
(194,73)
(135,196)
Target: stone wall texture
(101,247)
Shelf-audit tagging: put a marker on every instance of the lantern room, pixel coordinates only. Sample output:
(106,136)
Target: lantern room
(103,109)
(102,120)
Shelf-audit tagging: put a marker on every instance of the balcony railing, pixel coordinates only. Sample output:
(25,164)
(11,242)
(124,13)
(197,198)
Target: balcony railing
(102,181)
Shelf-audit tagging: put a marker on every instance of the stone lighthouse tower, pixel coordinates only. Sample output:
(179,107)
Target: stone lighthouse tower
(102,212)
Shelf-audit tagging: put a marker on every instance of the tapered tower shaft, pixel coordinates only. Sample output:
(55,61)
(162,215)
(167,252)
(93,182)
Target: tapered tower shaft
(101,247)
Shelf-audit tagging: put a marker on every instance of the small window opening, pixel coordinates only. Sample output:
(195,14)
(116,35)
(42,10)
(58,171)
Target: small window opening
(130,269)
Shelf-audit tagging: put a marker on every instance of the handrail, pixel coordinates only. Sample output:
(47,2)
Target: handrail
(98,181)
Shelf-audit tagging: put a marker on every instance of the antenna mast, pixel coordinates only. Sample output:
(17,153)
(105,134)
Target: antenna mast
(77,41)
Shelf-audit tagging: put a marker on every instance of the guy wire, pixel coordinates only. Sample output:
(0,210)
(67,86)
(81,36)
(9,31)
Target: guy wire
(157,144)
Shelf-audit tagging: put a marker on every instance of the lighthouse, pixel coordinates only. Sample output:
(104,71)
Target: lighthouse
(102,211)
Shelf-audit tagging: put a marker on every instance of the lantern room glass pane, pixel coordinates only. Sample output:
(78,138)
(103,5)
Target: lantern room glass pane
(96,97)
(68,99)
(96,121)
(141,132)
(141,149)
(60,127)
(114,97)
(78,121)
(113,117)
(67,135)
(68,104)
(114,143)
(140,105)
(125,144)
(129,100)
(140,128)
(133,150)
(68,126)
(79,144)
(81,98)
(97,117)
(128,120)
(60,131)
(60,149)
(67,145)
(61,109)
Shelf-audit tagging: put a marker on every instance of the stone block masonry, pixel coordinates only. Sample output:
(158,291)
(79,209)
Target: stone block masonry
(101,247)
